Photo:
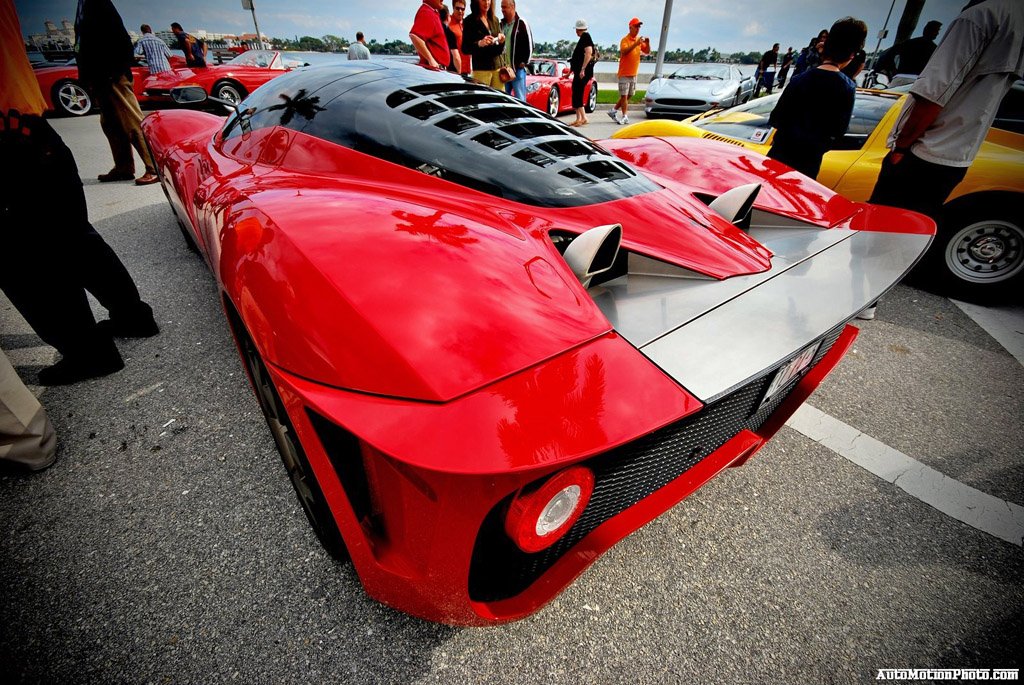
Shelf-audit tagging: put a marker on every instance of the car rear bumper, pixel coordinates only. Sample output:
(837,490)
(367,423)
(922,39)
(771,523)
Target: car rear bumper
(430,542)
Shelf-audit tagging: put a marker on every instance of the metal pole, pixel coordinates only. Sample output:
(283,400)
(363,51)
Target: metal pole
(874,59)
(259,37)
(663,41)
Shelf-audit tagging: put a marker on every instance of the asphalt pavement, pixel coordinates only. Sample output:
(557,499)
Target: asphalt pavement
(166,544)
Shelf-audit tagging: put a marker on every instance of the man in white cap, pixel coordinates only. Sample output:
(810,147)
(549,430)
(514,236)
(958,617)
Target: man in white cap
(630,49)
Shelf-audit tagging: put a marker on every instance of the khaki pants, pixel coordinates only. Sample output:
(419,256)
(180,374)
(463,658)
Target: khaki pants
(489,78)
(26,436)
(121,119)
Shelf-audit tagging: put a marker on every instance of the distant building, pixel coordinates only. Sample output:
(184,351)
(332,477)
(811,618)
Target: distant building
(55,39)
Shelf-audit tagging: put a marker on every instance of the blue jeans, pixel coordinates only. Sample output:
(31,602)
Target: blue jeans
(517,86)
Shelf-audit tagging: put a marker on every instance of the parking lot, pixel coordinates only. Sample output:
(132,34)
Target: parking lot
(166,544)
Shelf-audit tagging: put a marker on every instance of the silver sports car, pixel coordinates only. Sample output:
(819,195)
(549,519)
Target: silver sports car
(695,88)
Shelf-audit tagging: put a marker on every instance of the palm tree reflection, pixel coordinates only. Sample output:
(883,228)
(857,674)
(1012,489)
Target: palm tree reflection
(431,226)
(306,106)
(558,407)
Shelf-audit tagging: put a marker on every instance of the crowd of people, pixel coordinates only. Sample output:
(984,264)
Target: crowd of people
(55,264)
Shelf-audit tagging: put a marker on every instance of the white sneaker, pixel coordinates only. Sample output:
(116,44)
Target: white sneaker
(868,314)
(613,116)
(623,121)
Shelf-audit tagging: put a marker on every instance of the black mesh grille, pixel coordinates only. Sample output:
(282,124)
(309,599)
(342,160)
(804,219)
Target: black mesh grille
(679,102)
(623,477)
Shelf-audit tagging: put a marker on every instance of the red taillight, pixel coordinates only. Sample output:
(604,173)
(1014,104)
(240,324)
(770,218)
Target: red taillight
(537,519)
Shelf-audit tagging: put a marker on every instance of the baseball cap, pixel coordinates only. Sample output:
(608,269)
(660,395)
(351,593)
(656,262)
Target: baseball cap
(581,24)
(635,22)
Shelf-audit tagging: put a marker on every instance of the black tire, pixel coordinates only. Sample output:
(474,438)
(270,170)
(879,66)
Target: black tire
(978,253)
(190,242)
(554,102)
(738,98)
(591,103)
(232,91)
(308,491)
(71,99)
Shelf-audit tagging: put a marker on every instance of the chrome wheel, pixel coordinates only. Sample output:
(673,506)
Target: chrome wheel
(986,252)
(72,99)
(592,97)
(230,92)
(554,102)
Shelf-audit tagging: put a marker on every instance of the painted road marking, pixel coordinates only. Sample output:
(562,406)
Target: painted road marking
(995,516)
(1005,324)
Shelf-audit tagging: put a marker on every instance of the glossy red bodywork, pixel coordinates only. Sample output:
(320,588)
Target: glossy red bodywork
(545,82)
(248,77)
(50,77)
(441,327)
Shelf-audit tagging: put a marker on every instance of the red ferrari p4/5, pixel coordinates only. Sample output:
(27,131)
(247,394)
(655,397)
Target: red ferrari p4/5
(489,348)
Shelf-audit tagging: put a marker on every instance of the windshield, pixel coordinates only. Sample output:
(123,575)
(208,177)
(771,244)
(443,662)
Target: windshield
(255,58)
(542,68)
(701,72)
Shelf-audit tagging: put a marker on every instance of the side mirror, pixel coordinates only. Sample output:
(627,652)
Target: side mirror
(188,95)
(566,73)
(593,252)
(191,95)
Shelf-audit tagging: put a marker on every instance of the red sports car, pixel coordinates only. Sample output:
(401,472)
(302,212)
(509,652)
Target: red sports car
(231,81)
(67,95)
(489,348)
(549,87)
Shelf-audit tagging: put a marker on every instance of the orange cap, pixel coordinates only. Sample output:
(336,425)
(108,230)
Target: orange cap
(635,22)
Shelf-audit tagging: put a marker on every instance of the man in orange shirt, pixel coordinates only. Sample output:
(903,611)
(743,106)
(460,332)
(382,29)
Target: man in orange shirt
(455,24)
(630,50)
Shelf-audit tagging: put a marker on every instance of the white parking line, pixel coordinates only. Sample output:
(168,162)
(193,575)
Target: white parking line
(995,516)
(1005,324)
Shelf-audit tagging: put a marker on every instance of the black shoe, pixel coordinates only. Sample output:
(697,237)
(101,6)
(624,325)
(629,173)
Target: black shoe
(72,370)
(139,327)
(115,175)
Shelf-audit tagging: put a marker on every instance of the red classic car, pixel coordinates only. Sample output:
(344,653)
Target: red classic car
(65,94)
(231,81)
(549,87)
(489,348)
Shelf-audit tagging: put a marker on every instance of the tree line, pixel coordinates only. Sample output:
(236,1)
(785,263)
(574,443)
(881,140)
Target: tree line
(561,49)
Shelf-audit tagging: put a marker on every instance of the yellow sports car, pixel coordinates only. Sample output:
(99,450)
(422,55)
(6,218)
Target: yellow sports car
(978,253)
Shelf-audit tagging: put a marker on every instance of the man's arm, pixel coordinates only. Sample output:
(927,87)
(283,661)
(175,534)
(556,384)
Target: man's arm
(423,50)
(922,113)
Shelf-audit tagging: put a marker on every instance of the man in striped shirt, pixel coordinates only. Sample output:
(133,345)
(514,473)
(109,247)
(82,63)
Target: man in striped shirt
(154,50)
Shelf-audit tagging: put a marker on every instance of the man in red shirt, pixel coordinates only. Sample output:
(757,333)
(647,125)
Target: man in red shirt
(455,24)
(427,35)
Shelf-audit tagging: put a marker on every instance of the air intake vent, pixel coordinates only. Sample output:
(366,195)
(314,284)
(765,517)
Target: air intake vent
(462,132)
(723,139)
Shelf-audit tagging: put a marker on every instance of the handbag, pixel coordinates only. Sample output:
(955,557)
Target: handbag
(506,73)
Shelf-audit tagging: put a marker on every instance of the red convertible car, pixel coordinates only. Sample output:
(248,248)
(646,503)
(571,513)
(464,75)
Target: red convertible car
(231,81)
(549,87)
(489,348)
(65,94)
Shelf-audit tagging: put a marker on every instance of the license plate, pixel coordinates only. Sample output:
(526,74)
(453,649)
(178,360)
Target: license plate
(791,370)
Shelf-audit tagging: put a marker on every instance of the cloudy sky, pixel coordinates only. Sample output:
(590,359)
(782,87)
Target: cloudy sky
(727,25)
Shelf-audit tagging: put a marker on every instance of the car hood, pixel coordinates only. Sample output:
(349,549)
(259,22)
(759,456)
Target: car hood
(691,88)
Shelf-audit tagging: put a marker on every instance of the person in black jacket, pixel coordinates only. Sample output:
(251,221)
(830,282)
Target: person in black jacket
(584,56)
(483,40)
(105,56)
(814,110)
(518,47)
